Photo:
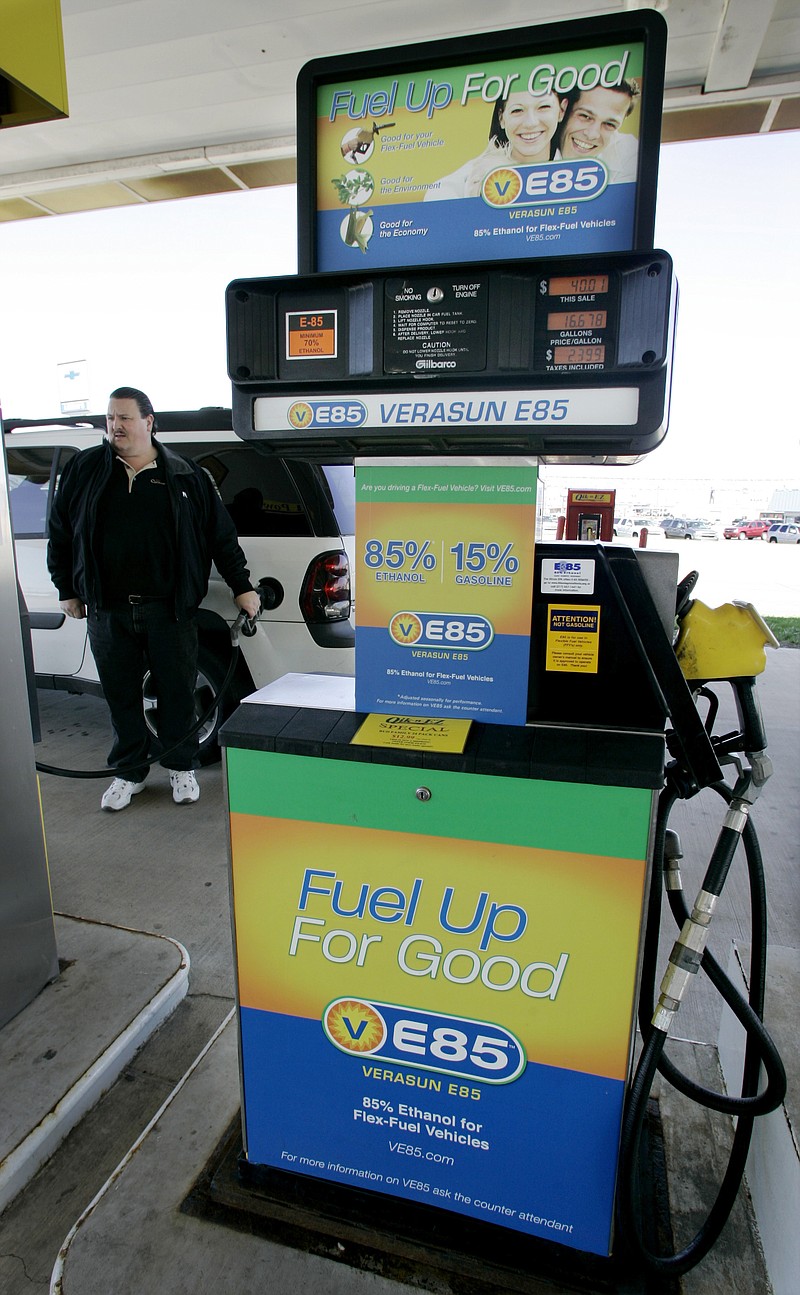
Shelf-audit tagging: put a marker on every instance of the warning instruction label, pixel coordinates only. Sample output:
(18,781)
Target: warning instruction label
(573,638)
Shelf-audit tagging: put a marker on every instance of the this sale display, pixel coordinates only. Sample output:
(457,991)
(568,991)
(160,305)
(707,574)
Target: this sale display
(445,553)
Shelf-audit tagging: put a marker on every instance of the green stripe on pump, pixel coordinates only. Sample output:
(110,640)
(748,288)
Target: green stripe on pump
(578,817)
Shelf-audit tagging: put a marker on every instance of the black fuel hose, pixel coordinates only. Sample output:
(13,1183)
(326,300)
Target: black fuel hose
(748,1012)
(239,625)
(759,1048)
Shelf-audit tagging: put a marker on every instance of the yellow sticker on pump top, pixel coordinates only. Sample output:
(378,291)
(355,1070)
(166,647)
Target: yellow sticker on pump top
(413,732)
(573,638)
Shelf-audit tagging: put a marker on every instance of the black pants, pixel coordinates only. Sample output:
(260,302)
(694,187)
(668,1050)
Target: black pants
(125,644)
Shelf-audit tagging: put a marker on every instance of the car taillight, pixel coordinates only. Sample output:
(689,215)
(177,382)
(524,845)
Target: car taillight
(325,591)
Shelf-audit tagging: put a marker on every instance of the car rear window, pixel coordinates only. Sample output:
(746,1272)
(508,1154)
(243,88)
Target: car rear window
(258,491)
(342,484)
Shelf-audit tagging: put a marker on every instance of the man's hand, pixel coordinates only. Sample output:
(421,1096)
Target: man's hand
(73,607)
(249,602)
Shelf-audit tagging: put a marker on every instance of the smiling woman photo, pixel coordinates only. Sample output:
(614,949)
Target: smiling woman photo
(521,132)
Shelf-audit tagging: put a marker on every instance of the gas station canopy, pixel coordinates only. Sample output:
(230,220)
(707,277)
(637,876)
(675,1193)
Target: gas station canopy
(169,100)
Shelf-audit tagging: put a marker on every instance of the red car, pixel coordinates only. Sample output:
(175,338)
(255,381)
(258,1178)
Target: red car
(746,530)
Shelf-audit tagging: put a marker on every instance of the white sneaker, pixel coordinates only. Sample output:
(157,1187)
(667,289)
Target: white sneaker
(184,786)
(120,793)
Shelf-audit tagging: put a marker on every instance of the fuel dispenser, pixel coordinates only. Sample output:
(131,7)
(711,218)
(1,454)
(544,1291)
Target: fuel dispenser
(33,88)
(590,515)
(445,901)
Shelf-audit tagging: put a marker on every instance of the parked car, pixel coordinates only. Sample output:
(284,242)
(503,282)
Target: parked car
(682,528)
(744,530)
(631,527)
(783,533)
(295,523)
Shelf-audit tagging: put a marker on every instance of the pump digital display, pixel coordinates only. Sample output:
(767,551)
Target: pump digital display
(568,287)
(578,319)
(330,365)
(542,141)
(579,355)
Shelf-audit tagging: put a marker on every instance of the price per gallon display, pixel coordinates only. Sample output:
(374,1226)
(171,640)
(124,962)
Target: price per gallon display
(576,330)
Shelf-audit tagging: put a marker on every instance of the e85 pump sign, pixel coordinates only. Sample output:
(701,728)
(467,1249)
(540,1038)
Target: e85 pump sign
(445,554)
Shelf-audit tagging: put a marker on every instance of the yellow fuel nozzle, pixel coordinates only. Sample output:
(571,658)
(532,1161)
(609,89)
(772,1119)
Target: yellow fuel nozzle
(724,642)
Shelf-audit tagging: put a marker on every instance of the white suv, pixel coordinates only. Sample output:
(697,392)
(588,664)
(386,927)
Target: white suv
(295,522)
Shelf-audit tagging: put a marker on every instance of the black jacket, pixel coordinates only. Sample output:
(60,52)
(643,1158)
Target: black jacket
(204,532)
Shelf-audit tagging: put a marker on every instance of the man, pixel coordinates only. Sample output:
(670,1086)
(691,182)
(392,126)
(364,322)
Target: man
(133,532)
(591,128)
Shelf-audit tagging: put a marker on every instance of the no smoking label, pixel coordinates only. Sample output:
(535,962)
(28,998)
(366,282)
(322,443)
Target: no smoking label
(311,335)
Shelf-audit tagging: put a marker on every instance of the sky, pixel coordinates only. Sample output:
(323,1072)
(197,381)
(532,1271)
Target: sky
(138,293)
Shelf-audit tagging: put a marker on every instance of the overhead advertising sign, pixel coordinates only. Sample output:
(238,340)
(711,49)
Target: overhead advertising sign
(445,574)
(537,142)
(419,1011)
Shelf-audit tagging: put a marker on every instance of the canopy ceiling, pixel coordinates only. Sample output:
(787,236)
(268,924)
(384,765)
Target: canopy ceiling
(170,99)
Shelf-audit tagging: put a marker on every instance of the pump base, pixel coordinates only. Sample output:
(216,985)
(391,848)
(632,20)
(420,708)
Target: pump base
(411,1243)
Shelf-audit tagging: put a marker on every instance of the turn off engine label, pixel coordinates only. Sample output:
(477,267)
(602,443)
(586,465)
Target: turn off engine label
(436,325)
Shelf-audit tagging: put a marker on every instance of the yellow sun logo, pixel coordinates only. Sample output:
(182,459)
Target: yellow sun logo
(300,415)
(354,1026)
(502,186)
(405,628)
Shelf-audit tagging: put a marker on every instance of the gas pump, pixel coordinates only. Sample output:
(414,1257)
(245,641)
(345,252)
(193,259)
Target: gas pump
(434,867)
(28,954)
(33,88)
(590,515)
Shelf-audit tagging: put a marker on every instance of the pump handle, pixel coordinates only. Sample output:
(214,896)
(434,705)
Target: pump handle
(750,717)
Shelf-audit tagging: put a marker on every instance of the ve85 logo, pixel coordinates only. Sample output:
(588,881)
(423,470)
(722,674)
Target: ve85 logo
(437,629)
(303,414)
(453,1045)
(506,186)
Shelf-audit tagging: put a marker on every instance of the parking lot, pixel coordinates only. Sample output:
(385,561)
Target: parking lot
(766,575)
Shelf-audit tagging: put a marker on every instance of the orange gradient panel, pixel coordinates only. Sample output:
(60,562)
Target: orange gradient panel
(567,924)
(445,526)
